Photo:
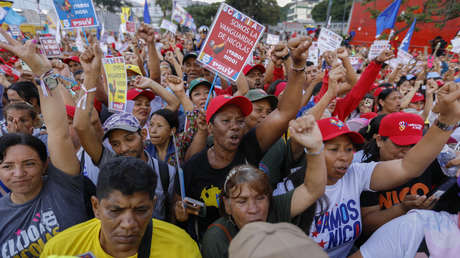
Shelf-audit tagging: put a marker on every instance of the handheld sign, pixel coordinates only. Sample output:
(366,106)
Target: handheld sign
(431,58)
(230,42)
(313,53)
(50,46)
(169,26)
(75,13)
(377,47)
(273,39)
(117,83)
(328,41)
(130,27)
(455,45)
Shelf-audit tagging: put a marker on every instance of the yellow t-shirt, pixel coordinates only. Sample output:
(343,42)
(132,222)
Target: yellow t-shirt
(83,240)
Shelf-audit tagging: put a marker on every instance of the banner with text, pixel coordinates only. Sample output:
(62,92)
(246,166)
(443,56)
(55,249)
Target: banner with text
(169,26)
(377,47)
(313,53)
(273,39)
(50,47)
(117,83)
(328,40)
(230,42)
(75,13)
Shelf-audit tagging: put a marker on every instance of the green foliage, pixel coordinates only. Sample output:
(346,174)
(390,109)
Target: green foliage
(263,11)
(339,11)
(111,5)
(166,7)
(203,14)
(284,13)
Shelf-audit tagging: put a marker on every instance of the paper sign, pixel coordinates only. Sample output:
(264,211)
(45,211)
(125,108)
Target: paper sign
(50,46)
(130,27)
(404,57)
(455,45)
(328,40)
(273,39)
(28,30)
(169,26)
(313,53)
(15,31)
(75,13)
(377,47)
(356,62)
(230,42)
(117,83)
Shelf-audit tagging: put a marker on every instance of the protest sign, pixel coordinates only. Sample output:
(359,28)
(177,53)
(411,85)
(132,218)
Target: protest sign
(455,45)
(313,53)
(273,39)
(328,41)
(50,46)
(404,57)
(169,26)
(117,83)
(130,27)
(28,30)
(355,62)
(15,31)
(377,47)
(230,42)
(75,13)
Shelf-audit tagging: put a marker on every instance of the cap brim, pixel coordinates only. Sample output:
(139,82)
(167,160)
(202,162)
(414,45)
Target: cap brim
(205,83)
(406,139)
(121,127)
(243,103)
(355,137)
(188,56)
(272,99)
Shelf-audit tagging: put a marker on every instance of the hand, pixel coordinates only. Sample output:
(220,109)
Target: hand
(61,68)
(337,73)
(201,121)
(386,55)
(331,58)
(448,105)
(418,202)
(455,162)
(175,83)
(91,61)
(182,211)
(418,84)
(143,82)
(27,52)
(342,53)
(26,76)
(146,33)
(431,87)
(170,57)
(306,132)
(299,50)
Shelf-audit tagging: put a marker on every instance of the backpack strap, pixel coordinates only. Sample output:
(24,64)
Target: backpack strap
(223,228)
(163,171)
(146,242)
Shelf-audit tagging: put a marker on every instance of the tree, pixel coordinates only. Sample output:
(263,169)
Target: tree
(111,5)
(203,14)
(263,11)
(165,5)
(432,11)
(340,10)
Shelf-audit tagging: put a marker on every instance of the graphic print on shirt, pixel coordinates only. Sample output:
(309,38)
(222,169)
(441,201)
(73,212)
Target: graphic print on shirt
(87,255)
(390,198)
(210,196)
(339,225)
(30,241)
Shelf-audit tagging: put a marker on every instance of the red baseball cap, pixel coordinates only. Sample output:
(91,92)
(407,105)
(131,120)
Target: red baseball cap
(220,101)
(417,97)
(332,127)
(133,93)
(402,128)
(280,88)
(73,58)
(249,67)
(378,91)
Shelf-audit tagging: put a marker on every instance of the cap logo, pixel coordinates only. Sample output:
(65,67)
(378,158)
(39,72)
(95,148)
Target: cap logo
(227,97)
(402,125)
(339,124)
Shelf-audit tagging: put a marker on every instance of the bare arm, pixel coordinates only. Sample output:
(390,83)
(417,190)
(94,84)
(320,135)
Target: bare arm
(241,85)
(408,97)
(351,75)
(148,35)
(176,84)
(146,83)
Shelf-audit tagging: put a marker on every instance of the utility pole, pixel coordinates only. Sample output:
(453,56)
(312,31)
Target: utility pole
(328,12)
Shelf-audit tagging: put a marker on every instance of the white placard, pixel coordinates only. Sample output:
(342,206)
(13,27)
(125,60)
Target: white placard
(377,47)
(355,62)
(313,53)
(169,26)
(404,57)
(15,31)
(456,45)
(273,39)
(328,40)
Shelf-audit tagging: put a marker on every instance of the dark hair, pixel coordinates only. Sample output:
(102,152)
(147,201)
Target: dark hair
(386,85)
(169,116)
(383,95)
(317,88)
(128,175)
(20,106)
(26,90)
(372,128)
(272,88)
(401,81)
(171,66)
(371,152)
(12,139)
(309,63)
(78,72)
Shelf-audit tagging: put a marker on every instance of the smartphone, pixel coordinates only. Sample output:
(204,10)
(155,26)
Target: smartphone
(442,189)
(193,203)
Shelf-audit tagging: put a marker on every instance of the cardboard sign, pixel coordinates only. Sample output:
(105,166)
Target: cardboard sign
(230,42)
(130,27)
(328,40)
(117,83)
(455,45)
(377,47)
(75,13)
(50,46)
(169,26)
(313,53)
(273,39)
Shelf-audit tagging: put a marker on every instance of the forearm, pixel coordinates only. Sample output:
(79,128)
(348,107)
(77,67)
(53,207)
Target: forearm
(268,76)
(428,106)
(407,98)
(292,95)
(373,220)
(178,68)
(185,101)
(393,75)
(173,102)
(242,86)
(179,55)
(153,62)
(198,144)
(318,110)
(352,77)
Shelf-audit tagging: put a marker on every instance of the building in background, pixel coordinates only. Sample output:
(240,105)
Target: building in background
(300,11)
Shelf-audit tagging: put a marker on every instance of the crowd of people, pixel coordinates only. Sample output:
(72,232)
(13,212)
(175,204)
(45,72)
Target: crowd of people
(336,157)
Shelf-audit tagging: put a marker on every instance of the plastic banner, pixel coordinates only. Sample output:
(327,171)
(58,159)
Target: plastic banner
(75,13)
(117,83)
(328,40)
(50,47)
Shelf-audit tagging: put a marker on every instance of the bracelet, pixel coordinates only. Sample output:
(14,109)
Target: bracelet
(286,56)
(314,153)
(295,69)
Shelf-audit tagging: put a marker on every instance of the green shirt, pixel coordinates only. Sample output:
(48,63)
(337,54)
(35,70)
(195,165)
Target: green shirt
(217,238)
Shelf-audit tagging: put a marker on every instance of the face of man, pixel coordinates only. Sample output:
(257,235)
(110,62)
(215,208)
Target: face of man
(192,69)
(228,127)
(19,121)
(124,219)
(255,79)
(126,143)
(74,66)
(260,110)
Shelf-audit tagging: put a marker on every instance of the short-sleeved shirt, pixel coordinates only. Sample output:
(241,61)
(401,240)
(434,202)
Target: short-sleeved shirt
(216,241)
(83,241)
(204,183)
(336,229)
(273,162)
(25,228)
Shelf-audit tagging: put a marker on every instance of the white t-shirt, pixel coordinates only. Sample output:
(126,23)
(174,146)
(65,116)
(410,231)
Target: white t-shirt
(440,230)
(337,228)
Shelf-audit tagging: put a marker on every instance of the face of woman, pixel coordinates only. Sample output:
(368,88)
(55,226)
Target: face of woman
(392,103)
(249,206)
(260,110)
(165,70)
(199,96)
(21,171)
(141,109)
(404,87)
(388,150)
(339,154)
(159,130)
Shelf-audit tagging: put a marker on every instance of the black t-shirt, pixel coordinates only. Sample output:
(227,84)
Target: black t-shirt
(204,183)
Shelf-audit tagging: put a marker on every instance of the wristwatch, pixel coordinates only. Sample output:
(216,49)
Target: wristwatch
(444,127)
(51,81)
